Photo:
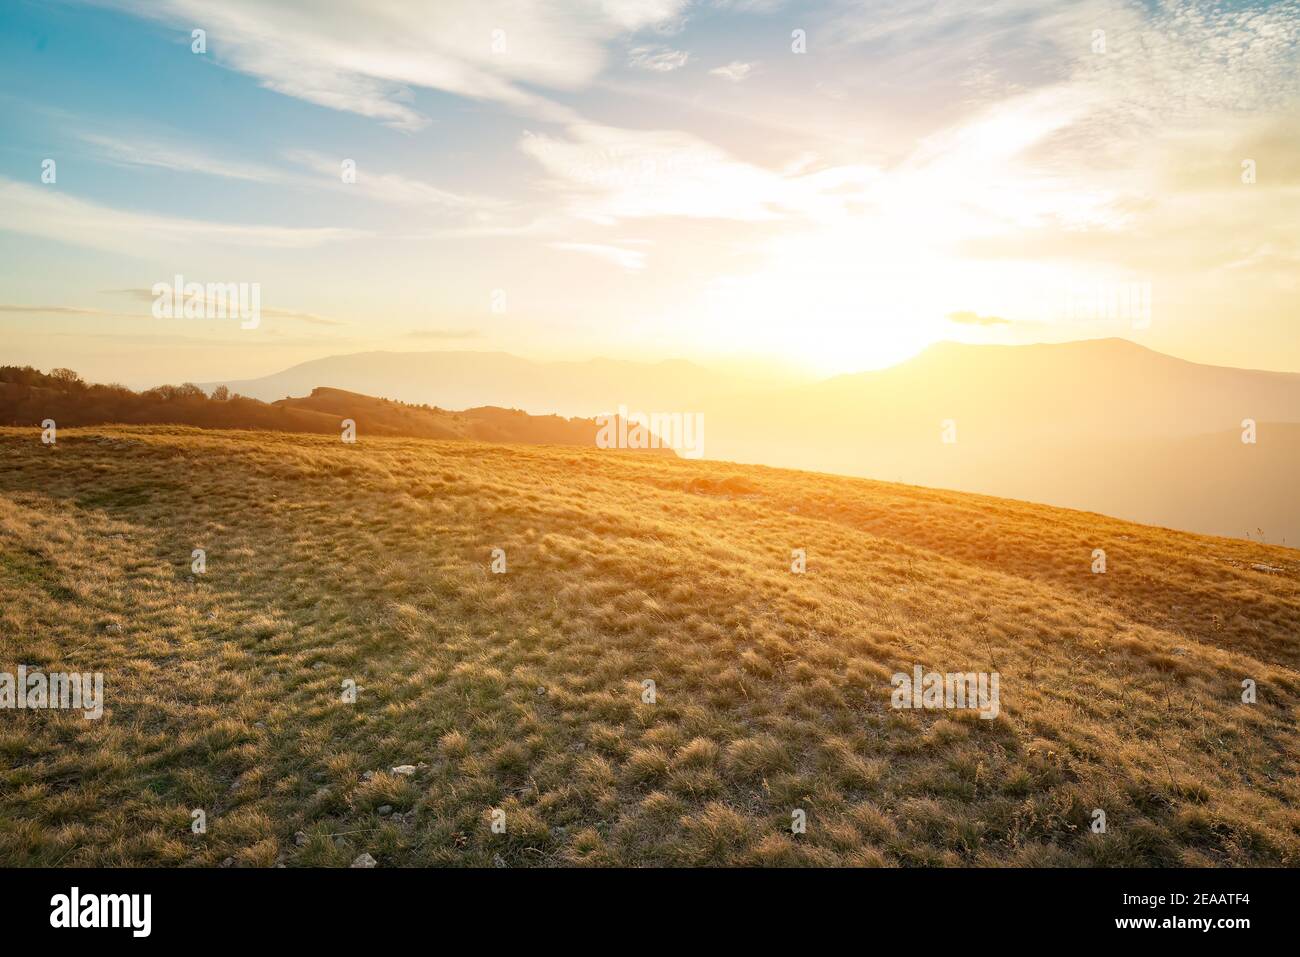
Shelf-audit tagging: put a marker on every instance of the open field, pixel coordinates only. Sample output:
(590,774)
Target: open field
(523,691)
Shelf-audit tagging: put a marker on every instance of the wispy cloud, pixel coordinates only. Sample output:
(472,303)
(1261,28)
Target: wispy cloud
(606,173)
(389,187)
(308,317)
(46,212)
(78,311)
(384,187)
(656,59)
(735,71)
(626,258)
(968,318)
(159,154)
(363,57)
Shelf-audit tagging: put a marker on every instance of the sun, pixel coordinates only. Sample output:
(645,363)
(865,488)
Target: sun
(835,300)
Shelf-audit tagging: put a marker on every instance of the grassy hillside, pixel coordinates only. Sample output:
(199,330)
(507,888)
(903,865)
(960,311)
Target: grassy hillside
(485,423)
(523,691)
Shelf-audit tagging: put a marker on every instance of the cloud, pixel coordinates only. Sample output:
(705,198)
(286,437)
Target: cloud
(365,57)
(308,317)
(735,71)
(1190,58)
(161,155)
(968,318)
(63,311)
(626,258)
(1148,63)
(381,187)
(656,59)
(1123,160)
(607,173)
(389,187)
(47,212)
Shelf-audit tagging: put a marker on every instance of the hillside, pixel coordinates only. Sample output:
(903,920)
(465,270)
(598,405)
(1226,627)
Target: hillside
(29,397)
(484,424)
(523,692)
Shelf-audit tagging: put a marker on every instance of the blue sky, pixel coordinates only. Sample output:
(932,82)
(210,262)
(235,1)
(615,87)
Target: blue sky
(645,180)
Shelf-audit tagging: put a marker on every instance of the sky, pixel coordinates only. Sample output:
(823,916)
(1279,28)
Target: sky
(818,187)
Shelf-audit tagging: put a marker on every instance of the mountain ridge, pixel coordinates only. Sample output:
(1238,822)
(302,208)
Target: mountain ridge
(30,398)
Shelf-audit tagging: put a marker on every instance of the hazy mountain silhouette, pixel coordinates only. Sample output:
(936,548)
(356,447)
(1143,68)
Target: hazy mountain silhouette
(466,379)
(1104,425)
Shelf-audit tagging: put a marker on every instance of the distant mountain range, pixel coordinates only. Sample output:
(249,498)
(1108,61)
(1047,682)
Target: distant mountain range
(1103,425)
(467,379)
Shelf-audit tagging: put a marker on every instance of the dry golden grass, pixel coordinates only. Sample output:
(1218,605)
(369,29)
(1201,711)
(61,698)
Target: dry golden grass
(523,692)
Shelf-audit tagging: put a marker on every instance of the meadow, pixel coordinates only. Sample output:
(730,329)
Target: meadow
(520,698)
